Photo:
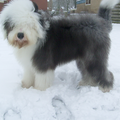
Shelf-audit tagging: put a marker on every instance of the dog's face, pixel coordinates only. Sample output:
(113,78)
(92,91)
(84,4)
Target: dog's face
(21,23)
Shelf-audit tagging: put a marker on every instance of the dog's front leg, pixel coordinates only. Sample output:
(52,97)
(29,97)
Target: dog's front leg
(28,79)
(43,80)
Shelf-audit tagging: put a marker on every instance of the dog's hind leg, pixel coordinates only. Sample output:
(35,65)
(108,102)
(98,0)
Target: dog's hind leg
(95,73)
(97,69)
(43,80)
(86,77)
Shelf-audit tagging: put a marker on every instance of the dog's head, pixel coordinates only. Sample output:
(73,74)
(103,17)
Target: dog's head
(22,24)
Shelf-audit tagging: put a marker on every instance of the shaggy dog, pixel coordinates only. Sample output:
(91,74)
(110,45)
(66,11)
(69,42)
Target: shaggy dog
(41,43)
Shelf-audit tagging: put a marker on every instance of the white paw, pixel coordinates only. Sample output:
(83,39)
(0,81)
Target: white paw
(26,84)
(42,86)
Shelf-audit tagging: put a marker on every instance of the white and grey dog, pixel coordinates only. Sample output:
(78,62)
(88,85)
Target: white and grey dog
(42,42)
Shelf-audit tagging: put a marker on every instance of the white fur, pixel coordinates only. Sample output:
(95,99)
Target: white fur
(28,78)
(109,3)
(22,16)
(32,77)
(24,56)
(43,80)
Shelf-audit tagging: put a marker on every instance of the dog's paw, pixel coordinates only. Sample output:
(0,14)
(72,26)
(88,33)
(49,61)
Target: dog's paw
(105,89)
(87,83)
(41,88)
(105,86)
(83,83)
(26,85)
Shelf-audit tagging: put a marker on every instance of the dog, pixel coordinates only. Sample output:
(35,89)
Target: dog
(42,43)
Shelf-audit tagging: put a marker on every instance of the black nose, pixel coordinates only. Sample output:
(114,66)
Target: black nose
(20,35)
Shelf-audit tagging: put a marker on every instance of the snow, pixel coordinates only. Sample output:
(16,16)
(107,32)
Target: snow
(62,101)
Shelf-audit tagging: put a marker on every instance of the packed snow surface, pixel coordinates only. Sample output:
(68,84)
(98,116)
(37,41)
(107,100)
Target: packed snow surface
(62,101)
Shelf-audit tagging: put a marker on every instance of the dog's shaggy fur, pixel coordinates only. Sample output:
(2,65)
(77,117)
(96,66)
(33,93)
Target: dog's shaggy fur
(41,43)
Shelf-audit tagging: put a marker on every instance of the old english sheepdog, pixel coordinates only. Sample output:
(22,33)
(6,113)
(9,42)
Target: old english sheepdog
(42,42)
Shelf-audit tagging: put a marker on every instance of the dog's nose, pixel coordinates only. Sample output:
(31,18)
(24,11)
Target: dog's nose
(20,35)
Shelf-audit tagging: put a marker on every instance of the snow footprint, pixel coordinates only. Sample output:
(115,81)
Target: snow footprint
(62,112)
(12,114)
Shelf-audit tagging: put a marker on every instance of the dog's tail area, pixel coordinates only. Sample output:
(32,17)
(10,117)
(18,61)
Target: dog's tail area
(106,7)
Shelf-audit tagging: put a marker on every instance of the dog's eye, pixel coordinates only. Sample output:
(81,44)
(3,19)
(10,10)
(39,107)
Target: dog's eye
(36,7)
(7,26)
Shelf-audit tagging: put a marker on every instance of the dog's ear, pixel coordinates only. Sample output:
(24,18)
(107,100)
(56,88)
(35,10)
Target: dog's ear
(44,19)
(35,6)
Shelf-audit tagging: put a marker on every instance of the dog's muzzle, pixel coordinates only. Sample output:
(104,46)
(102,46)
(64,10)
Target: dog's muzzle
(20,40)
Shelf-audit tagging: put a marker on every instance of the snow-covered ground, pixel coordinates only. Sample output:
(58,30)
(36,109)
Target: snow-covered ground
(62,101)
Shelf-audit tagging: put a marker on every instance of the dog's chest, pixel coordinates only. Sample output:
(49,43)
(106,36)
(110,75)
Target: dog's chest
(24,55)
